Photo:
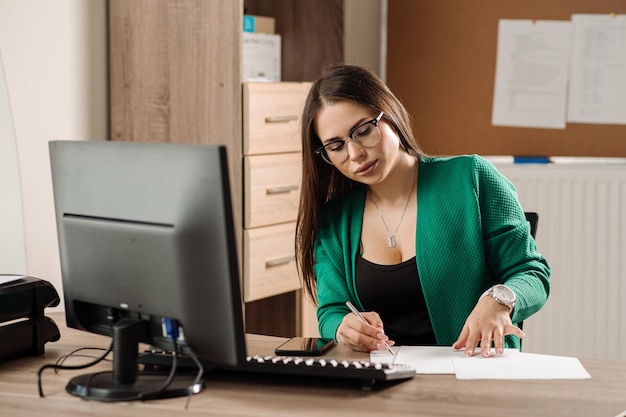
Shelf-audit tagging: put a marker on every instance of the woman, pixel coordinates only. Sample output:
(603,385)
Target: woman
(421,244)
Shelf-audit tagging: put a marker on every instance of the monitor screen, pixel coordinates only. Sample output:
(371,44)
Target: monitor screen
(147,242)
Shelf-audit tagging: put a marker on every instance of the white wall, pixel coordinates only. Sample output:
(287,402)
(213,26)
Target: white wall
(55,64)
(365,34)
(12,246)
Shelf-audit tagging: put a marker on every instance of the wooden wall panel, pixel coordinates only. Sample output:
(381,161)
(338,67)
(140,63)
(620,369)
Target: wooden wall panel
(175,76)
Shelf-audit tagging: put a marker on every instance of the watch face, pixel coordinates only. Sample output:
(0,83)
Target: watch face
(504,293)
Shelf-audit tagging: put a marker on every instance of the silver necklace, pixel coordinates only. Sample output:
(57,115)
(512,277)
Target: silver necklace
(391,237)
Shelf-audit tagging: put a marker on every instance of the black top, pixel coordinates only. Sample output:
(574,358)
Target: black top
(395,293)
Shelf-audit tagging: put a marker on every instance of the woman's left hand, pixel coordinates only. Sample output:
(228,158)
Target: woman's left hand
(488,322)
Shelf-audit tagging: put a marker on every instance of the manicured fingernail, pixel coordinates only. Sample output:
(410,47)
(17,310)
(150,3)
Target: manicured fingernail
(469,352)
(499,351)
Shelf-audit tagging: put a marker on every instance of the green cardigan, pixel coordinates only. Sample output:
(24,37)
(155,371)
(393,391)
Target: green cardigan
(471,234)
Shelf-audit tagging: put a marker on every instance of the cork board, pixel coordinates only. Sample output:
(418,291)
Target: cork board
(441,63)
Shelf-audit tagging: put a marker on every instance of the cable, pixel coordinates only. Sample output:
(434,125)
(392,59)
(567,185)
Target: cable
(173,332)
(74,354)
(168,381)
(196,382)
(57,366)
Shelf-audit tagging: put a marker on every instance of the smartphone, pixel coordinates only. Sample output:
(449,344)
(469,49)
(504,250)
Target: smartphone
(304,346)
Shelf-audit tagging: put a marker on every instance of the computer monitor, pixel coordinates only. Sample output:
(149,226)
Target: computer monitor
(147,241)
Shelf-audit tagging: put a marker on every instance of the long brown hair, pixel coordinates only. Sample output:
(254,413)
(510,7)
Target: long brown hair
(321,182)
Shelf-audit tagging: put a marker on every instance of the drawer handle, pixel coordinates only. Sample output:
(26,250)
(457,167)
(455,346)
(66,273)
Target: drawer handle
(280,119)
(282,190)
(280,261)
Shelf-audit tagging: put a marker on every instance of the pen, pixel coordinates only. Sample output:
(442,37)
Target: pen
(355,311)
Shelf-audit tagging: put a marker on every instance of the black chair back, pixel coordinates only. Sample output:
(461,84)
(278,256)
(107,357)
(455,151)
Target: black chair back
(533,219)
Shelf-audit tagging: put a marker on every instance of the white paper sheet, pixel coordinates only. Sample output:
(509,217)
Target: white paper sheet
(598,70)
(521,366)
(531,73)
(5,279)
(513,364)
(425,359)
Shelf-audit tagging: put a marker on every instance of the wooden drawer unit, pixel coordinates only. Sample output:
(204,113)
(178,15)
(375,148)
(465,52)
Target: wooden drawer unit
(271,189)
(272,169)
(268,261)
(271,117)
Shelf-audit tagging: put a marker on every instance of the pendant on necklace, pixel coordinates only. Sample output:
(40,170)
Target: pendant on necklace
(391,241)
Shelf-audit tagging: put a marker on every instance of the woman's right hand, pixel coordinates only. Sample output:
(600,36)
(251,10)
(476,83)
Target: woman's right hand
(360,336)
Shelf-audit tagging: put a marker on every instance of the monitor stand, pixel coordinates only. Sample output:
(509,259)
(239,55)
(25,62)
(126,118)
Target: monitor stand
(126,382)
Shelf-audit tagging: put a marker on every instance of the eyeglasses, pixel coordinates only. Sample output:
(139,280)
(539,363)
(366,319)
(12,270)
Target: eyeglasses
(366,135)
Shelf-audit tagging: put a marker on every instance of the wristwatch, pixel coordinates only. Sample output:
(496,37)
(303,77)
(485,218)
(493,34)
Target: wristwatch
(502,294)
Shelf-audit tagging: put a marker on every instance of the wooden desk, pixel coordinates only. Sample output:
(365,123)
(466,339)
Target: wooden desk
(237,394)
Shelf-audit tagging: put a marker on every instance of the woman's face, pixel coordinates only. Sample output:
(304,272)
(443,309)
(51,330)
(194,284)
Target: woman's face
(369,165)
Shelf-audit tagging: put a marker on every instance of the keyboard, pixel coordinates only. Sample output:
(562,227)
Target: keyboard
(326,367)
(366,371)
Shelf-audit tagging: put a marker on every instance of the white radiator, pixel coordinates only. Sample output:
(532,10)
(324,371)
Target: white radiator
(582,233)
